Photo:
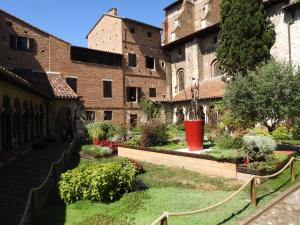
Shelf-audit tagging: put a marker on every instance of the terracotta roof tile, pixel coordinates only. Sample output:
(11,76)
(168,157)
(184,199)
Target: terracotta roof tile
(209,89)
(52,84)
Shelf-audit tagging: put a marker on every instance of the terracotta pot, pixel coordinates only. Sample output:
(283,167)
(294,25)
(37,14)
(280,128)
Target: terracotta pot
(96,141)
(194,130)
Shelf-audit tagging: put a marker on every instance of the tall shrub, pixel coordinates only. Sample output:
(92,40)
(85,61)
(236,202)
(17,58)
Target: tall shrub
(246,36)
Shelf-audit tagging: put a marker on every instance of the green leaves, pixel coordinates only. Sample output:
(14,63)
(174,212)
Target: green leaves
(97,182)
(268,95)
(246,36)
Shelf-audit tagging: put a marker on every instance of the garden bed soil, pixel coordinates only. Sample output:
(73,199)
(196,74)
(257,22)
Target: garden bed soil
(203,164)
(184,154)
(244,169)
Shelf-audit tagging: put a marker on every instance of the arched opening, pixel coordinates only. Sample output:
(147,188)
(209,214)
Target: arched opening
(216,70)
(42,121)
(25,122)
(180,80)
(6,126)
(61,119)
(31,122)
(17,132)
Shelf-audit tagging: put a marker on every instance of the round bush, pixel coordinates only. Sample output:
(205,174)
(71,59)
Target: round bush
(281,133)
(97,182)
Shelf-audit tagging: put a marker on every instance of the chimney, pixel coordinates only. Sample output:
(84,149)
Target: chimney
(113,12)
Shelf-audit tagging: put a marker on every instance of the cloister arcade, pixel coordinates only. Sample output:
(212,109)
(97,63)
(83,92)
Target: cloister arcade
(22,117)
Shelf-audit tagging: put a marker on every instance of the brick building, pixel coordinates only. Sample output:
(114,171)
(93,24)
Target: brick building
(190,39)
(143,59)
(106,82)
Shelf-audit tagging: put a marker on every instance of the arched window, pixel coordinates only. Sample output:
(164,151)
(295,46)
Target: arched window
(180,80)
(216,70)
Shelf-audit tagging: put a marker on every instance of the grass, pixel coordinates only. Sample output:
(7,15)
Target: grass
(220,153)
(90,148)
(292,142)
(172,146)
(171,190)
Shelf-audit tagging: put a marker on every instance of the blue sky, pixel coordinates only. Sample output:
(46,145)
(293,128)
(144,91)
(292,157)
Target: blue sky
(71,20)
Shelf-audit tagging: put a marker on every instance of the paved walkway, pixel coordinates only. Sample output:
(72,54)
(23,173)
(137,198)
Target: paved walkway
(285,212)
(17,178)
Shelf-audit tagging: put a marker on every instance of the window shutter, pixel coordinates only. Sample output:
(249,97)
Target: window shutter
(13,41)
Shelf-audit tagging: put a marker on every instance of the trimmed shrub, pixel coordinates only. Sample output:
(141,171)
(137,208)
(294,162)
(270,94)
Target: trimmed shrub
(282,133)
(228,142)
(259,132)
(258,148)
(97,182)
(102,219)
(154,133)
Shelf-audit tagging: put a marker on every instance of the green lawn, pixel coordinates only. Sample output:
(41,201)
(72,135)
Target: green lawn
(220,153)
(293,142)
(172,146)
(170,190)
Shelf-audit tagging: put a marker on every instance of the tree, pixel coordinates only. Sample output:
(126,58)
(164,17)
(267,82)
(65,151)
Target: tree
(246,36)
(269,95)
(150,108)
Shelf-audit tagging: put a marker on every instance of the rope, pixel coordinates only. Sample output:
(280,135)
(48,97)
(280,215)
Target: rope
(166,215)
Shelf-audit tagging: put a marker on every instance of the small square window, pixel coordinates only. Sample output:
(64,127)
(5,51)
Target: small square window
(152,92)
(179,51)
(107,115)
(132,30)
(163,64)
(150,62)
(132,94)
(72,82)
(149,34)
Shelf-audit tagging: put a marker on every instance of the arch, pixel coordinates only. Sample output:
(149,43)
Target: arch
(180,80)
(215,69)
(31,121)
(17,124)
(6,125)
(61,118)
(25,121)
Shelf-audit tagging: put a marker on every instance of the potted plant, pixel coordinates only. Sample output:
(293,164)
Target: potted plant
(97,135)
(193,123)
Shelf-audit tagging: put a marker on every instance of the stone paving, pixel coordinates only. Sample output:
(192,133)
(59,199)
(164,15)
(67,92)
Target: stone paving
(285,212)
(17,178)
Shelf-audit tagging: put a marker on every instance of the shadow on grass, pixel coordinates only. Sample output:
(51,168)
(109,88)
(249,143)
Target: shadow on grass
(235,214)
(54,212)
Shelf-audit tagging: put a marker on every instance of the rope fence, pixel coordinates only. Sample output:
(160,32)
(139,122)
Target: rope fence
(38,196)
(163,219)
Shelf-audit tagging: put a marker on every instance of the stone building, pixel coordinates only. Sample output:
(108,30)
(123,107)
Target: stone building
(143,59)
(190,39)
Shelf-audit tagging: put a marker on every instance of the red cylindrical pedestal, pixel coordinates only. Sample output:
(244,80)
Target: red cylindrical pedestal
(194,130)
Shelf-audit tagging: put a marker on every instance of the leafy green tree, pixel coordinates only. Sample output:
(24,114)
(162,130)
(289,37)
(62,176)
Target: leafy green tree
(150,108)
(246,36)
(269,95)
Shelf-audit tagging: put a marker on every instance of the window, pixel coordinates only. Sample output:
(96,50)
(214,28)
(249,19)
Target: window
(150,62)
(90,116)
(72,82)
(132,60)
(107,89)
(149,34)
(132,94)
(132,30)
(180,79)
(133,121)
(21,43)
(179,51)
(107,115)
(152,92)
(163,64)
(216,70)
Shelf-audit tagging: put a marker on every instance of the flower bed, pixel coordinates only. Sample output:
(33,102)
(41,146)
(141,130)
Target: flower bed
(243,168)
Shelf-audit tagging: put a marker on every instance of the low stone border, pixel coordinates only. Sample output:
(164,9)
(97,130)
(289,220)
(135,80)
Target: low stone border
(198,163)
(269,205)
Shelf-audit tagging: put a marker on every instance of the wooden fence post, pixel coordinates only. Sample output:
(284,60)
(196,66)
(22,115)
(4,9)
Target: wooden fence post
(253,192)
(293,171)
